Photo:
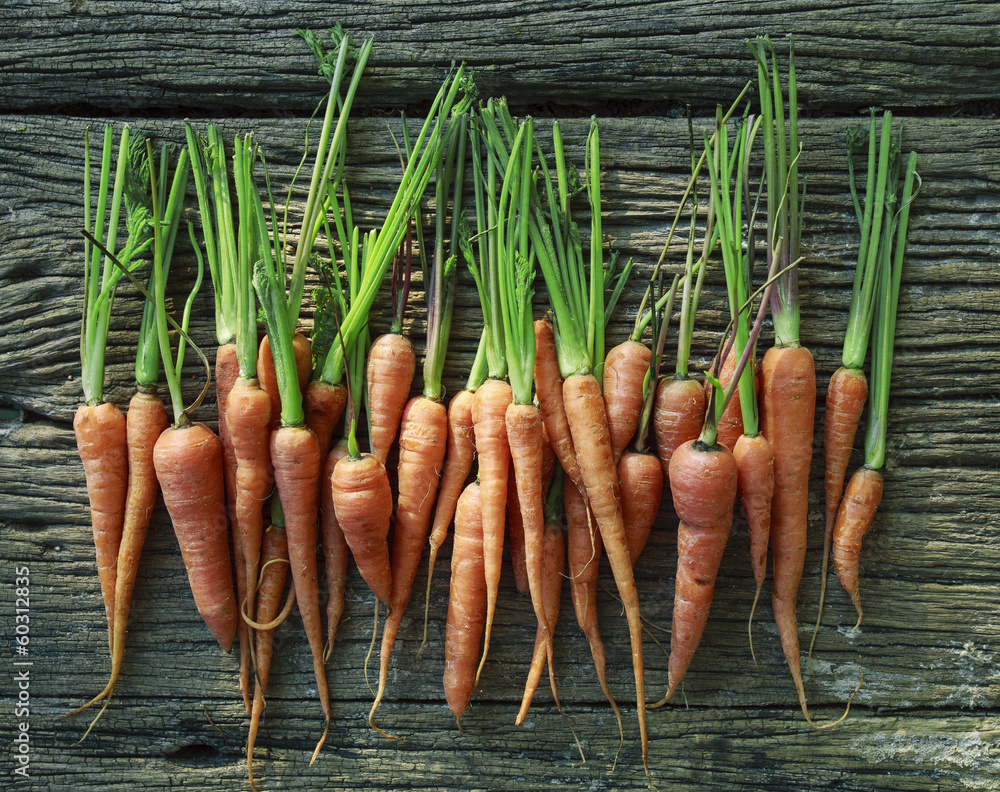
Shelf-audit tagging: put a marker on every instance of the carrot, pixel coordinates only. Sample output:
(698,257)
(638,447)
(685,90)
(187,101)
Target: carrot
(147,420)
(864,491)
(580,319)
(677,416)
(639,470)
(524,429)
(295,456)
(274,572)
(99,426)
(703,486)
(248,416)
(363,503)
(857,510)
(188,460)
(101,439)
(325,405)
(266,371)
(223,247)
(548,384)
(641,479)
(755,467)
(624,371)
(515,522)
(583,557)
(788,403)
(466,603)
(294,453)
(391,360)
(335,550)
(591,438)
(848,389)
(489,410)
(738,424)
(422,440)
(226,373)
(515,274)
(391,365)
(457,466)
(787,372)
(846,396)
(515,528)
(554,563)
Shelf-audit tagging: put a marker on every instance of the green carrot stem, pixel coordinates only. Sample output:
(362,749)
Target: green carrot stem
(480,369)
(415,179)
(884,333)
(595,328)
(516,269)
(323,170)
(877,205)
(441,294)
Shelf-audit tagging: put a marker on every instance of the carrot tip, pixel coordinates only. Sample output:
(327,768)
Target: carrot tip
(319,745)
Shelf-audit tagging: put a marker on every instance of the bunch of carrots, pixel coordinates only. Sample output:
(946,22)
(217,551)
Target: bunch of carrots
(574,443)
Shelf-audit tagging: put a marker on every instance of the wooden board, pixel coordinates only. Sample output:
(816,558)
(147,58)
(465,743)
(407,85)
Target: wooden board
(194,57)
(926,715)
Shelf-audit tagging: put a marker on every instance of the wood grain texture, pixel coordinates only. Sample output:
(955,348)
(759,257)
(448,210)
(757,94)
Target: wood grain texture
(241,57)
(929,648)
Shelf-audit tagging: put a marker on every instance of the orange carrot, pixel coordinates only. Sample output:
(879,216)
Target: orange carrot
(363,504)
(554,563)
(188,461)
(624,373)
(274,566)
(146,421)
(248,415)
(524,433)
(422,440)
(515,527)
(335,550)
(457,466)
(755,468)
(788,403)
(466,603)
(845,401)
(583,558)
(703,485)
(857,510)
(549,386)
(391,365)
(227,370)
(295,456)
(641,486)
(101,440)
(591,438)
(324,405)
(677,416)
(266,374)
(488,415)
(515,523)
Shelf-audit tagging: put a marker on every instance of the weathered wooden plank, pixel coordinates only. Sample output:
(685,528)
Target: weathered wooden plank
(182,57)
(928,647)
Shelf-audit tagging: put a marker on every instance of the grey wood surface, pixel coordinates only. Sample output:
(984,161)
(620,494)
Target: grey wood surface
(131,57)
(926,716)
